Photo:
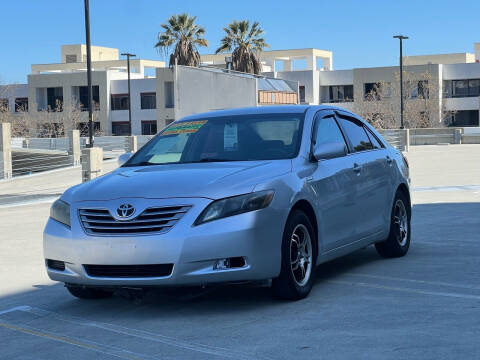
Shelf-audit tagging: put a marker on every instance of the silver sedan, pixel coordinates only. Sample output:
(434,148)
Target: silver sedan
(237,195)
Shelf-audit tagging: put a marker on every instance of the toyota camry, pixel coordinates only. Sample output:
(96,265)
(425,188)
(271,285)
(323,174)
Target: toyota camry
(264,193)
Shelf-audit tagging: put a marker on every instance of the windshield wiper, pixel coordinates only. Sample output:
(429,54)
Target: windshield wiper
(142,163)
(212,160)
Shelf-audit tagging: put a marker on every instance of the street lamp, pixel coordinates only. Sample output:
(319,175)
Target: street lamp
(401,37)
(89,74)
(128,55)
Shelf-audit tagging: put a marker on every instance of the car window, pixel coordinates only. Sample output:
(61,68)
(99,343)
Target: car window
(373,139)
(224,138)
(327,130)
(356,134)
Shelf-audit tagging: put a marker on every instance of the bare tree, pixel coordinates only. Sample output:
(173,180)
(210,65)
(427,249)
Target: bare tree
(423,106)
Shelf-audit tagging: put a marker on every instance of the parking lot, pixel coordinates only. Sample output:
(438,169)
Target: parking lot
(425,305)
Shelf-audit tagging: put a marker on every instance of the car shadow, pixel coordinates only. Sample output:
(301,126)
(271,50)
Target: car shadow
(437,221)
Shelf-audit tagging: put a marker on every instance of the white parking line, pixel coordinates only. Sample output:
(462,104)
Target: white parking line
(145,335)
(84,344)
(438,283)
(403,289)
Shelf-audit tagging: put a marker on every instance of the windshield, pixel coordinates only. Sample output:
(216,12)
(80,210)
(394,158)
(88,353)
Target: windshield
(232,138)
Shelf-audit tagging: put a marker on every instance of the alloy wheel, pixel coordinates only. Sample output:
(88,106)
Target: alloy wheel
(400,219)
(301,254)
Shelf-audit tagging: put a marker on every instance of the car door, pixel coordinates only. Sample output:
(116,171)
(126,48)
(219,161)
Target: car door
(335,186)
(370,166)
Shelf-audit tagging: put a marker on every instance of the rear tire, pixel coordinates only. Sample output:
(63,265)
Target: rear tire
(298,259)
(398,241)
(89,292)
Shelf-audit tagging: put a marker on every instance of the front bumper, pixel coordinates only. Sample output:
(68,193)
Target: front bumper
(193,250)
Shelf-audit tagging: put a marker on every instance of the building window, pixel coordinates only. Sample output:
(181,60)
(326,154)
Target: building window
(461,88)
(169,97)
(21,104)
(3,104)
(83,127)
(474,87)
(70,58)
(148,100)
(377,91)
(120,128)
(301,92)
(55,98)
(119,101)
(465,118)
(417,89)
(83,97)
(340,93)
(149,127)
(422,89)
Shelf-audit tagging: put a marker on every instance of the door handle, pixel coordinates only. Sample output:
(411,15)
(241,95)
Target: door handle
(389,160)
(357,168)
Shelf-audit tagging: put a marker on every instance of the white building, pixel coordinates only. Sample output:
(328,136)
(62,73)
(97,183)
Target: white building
(161,95)
(156,100)
(457,78)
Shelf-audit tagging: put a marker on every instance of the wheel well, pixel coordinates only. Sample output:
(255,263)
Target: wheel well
(305,206)
(403,188)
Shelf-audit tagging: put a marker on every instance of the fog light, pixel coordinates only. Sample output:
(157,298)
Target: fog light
(221,264)
(229,263)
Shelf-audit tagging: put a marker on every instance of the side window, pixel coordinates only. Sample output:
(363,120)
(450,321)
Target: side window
(327,130)
(373,139)
(356,134)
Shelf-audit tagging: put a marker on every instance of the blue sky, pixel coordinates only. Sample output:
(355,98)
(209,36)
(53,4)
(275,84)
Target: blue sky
(358,32)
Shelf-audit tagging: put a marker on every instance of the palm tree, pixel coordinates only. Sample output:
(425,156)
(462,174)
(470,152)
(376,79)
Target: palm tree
(182,31)
(247,42)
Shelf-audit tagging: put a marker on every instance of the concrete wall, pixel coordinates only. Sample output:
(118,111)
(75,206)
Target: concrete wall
(99,53)
(461,71)
(453,58)
(199,90)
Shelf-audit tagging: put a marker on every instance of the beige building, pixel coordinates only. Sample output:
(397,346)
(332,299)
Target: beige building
(290,76)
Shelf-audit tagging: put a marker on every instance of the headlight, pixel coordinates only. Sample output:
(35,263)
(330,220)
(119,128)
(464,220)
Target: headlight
(235,205)
(60,211)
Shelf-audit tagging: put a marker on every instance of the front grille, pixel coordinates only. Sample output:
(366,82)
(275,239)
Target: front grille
(151,220)
(129,271)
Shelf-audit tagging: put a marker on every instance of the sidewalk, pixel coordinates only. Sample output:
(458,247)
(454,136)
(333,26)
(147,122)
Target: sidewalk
(47,185)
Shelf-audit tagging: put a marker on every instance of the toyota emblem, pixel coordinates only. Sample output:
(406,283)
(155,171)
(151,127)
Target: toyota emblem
(125,210)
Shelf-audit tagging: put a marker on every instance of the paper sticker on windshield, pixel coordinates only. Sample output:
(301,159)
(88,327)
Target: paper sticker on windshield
(185,127)
(230,137)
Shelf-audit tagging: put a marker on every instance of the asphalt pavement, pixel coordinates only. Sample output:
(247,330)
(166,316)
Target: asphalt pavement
(425,305)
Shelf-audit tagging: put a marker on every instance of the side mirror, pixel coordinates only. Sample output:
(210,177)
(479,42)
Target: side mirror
(122,159)
(329,150)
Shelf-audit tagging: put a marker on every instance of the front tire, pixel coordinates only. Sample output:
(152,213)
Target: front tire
(298,259)
(398,241)
(89,292)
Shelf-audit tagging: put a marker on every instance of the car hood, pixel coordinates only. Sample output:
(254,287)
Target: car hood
(207,180)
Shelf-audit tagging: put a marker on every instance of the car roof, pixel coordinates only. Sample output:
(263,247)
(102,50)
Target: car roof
(269,109)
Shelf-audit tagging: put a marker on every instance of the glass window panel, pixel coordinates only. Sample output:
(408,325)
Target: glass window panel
(356,134)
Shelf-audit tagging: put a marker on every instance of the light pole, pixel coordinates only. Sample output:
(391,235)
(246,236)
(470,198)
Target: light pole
(128,55)
(401,37)
(89,74)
